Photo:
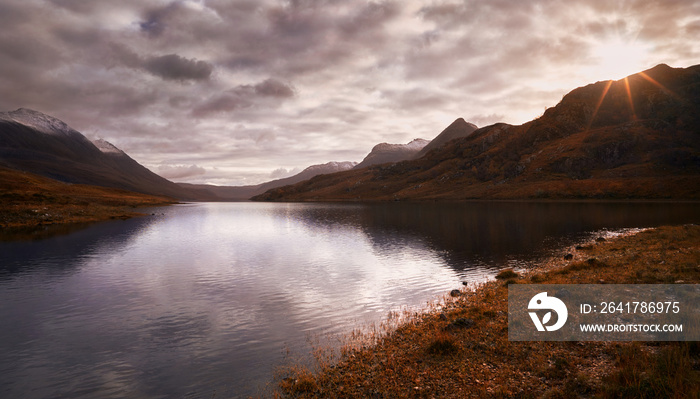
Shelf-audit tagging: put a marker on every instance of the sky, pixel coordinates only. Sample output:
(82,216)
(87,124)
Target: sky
(236,92)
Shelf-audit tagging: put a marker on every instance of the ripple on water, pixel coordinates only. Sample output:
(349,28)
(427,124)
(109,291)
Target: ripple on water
(208,297)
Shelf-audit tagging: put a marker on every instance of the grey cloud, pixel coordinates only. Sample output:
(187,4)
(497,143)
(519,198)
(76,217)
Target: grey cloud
(14,13)
(274,88)
(156,19)
(223,103)
(245,96)
(175,67)
(281,173)
(175,172)
(370,17)
(419,98)
(137,71)
(186,23)
(693,28)
(78,6)
(168,67)
(309,35)
(27,50)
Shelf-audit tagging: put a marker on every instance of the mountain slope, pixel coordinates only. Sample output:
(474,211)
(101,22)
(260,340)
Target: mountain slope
(637,137)
(29,200)
(40,144)
(457,129)
(386,153)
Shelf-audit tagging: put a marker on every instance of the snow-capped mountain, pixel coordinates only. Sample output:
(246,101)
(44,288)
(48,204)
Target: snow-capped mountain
(44,145)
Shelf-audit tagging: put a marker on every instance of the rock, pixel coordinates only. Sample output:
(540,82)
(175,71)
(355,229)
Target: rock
(579,247)
(568,257)
(443,316)
(465,282)
(600,239)
(455,293)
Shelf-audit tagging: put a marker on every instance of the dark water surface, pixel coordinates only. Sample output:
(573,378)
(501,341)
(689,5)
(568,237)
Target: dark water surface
(204,299)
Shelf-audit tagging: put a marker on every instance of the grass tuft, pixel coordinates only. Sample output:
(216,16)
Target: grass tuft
(443,344)
(507,274)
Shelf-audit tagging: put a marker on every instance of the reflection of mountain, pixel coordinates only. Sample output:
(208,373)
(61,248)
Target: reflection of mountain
(474,234)
(632,138)
(71,249)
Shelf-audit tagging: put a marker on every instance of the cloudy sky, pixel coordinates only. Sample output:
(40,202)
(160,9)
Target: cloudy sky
(242,91)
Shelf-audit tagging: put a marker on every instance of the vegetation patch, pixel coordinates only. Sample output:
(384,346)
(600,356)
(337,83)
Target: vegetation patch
(30,201)
(507,274)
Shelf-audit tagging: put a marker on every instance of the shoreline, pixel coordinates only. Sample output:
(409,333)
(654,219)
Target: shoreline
(461,349)
(32,201)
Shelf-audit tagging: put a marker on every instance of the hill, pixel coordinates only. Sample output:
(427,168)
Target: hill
(241,193)
(637,137)
(457,129)
(37,143)
(386,153)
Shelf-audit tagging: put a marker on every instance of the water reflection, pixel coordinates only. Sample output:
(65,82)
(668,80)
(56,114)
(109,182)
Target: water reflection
(490,234)
(206,297)
(23,251)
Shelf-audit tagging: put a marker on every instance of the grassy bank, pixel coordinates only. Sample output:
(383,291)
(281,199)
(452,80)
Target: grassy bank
(29,200)
(461,350)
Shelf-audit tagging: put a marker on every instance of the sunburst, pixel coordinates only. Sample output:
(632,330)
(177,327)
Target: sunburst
(617,58)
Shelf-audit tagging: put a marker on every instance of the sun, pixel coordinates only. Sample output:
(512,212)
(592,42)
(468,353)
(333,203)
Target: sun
(618,58)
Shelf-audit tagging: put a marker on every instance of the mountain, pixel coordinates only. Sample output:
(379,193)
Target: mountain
(457,129)
(638,137)
(386,153)
(37,143)
(241,193)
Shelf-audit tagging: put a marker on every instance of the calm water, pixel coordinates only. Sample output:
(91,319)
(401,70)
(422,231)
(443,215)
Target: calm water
(205,299)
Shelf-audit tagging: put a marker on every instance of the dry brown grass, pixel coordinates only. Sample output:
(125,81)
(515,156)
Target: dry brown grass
(460,349)
(30,200)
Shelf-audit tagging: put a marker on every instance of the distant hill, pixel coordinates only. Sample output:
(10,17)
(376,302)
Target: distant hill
(637,137)
(37,143)
(241,193)
(390,153)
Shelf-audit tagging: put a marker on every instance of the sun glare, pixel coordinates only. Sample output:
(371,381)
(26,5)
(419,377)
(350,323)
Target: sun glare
(618,58)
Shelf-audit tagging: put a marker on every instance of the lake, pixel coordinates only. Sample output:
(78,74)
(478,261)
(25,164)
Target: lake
(203,300)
